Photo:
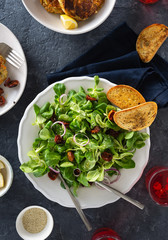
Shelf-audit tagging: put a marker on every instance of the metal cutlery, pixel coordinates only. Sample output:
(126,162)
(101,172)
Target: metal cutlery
(11,55)
(125,197)
(77,205)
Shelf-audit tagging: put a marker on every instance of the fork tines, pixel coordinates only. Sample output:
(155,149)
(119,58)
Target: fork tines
(11,55)
(14,59)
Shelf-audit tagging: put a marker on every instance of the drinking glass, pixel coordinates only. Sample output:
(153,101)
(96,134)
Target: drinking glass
(157,184)
(148,1)
(105,234)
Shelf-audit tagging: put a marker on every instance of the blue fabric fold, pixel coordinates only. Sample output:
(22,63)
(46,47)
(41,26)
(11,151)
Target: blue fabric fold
(115,58)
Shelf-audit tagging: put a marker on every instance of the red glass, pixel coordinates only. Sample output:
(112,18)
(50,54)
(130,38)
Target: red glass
(157,185)
(148,1)
(105,234)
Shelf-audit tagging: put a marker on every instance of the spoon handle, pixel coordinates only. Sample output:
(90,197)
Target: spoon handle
(77,205)
(125,197)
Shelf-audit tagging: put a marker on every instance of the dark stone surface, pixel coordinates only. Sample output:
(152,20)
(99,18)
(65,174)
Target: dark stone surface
(47,51)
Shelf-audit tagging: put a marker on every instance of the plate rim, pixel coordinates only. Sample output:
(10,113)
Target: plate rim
(69,32)
(25,77)
(35,183)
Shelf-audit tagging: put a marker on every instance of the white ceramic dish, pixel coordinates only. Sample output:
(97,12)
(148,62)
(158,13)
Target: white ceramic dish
(52,21)
(34,236)
(12,95)
(7,173)
(88,197)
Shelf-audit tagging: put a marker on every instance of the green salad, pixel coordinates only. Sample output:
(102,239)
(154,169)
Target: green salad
(78,139)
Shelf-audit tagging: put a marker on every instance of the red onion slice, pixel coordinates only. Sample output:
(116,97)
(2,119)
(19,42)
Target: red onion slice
(56,171)
(117,177)
(59,122)
(74,138)
(61,98)
(106,180)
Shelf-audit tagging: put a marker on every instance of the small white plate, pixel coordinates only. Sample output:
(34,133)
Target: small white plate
(53,22)
(12,95)
(88,197)
(34,236)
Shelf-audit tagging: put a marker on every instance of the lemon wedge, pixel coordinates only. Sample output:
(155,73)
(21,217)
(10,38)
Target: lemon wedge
(2,165)
(68,22)
(1,181)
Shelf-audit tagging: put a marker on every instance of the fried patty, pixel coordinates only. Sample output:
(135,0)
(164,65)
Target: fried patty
(80,9)
(51,6)
(3,70)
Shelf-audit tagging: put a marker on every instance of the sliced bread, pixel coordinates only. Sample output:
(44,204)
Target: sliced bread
(136,118)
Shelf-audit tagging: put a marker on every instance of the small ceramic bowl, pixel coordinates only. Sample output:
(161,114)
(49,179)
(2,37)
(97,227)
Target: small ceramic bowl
(34,236)
(7,173)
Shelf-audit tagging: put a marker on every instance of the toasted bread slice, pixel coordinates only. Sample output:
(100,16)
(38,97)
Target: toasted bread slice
(136,118)
(150,40)
(124,96)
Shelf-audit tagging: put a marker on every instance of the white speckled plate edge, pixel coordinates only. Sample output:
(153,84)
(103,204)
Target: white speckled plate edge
(13,95)
(88,197)
(52,21)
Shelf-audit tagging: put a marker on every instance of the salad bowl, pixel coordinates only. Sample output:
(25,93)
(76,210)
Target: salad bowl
(93,196)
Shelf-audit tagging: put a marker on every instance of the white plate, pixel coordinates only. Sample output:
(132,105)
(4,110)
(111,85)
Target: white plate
(88,197)
(12,95)
(52,21)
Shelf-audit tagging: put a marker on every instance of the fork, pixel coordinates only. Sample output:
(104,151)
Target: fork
(11,55)
(124,196)
(77,205)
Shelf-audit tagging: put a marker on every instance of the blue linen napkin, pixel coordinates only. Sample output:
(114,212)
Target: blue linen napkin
(115,58)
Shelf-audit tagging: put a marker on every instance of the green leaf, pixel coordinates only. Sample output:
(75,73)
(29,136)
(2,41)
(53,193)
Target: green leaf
(128,164)
(101,106)
(101,174)
(139,144)
(52,158)
(96,79)
(100,122)
(36,109)
(45,134)
(79,156)
(28,166)
(66,164)
(48,114)
(65,118)
(88,165)
(107,165)
(71,93)
(59,89)
(45,107)
(92,176)
(40,171)
(82,179)
(129,135)
(40,120)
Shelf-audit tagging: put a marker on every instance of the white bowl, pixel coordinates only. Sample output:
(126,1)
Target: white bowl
(34,236)
(8,176)
(53,22)
(88,197)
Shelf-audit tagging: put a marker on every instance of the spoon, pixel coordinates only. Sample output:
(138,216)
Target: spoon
(125,197)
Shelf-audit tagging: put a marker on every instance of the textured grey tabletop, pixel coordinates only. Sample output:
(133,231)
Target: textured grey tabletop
(48,51)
